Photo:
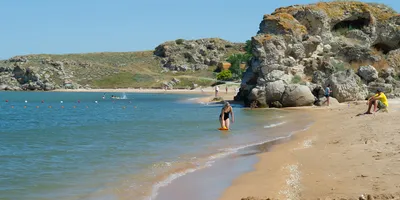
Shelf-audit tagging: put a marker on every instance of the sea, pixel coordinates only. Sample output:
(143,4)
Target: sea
(77,145)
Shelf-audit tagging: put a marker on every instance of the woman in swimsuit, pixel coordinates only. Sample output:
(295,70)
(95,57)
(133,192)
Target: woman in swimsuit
(224,116)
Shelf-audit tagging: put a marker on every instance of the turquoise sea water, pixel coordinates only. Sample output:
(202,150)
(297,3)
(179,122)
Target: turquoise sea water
(70,147)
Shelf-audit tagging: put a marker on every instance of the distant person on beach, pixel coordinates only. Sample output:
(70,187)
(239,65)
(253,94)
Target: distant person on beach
(224,116)
(216,90)
(379,101)
(226,89)
(328,92)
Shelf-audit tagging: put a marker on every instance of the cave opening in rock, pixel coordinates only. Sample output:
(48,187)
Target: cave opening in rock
(349,25)
(384,48)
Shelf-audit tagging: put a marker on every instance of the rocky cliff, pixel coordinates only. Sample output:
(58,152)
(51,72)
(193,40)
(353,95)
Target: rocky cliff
(353,46)
(193,55)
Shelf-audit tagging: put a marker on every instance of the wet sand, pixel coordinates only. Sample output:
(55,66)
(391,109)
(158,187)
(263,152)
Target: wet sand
(210,182)
(340,156)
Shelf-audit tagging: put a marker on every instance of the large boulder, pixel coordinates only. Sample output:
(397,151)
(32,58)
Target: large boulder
(393,59)
(48,86)
(322,102)
(258,95)
(277,75)
(347,86)
(387,72)
(274,91)
(297,95)
(3,87)
(368,73)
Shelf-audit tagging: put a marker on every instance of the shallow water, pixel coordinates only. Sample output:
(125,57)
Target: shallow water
(117,149)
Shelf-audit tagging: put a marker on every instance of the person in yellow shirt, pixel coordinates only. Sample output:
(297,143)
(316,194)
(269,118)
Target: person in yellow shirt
(379,101)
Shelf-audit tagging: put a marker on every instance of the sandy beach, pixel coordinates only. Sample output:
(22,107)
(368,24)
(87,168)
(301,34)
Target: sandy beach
(340,156)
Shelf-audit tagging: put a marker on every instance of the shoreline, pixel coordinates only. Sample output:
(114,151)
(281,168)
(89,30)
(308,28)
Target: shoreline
(208,93)
(355,152)
(233,161)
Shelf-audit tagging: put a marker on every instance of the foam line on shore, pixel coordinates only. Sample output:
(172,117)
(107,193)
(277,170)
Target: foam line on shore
(274,125)
(213,158)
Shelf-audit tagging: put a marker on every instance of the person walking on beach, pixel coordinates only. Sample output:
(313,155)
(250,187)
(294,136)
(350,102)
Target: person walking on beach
(328,92)
(216,90)
(226,89)
(224,116)
(379,101)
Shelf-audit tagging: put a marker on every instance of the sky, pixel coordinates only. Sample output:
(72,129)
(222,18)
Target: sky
(81,26)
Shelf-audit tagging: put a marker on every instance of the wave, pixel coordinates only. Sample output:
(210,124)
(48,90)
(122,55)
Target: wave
(274,125)
(124,96)
(193,99)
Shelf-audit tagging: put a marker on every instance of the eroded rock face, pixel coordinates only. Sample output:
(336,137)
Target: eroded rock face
(193,55)
(318,42)
(368,73)
(347,86)
(19,73)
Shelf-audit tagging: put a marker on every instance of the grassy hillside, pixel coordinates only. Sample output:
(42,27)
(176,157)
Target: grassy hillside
(118,70)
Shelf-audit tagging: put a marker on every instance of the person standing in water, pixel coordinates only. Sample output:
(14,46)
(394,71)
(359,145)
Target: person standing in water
(224,116)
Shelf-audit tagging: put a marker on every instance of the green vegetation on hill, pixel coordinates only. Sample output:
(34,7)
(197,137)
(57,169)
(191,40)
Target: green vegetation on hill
(236,59)
(116,70)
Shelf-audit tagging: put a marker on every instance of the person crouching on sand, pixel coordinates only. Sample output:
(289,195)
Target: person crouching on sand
(379,101)
(224,116)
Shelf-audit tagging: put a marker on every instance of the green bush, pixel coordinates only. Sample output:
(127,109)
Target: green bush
(339,66)
(248,47)
(236,60)
(296,79)
(225,75)
(179,41)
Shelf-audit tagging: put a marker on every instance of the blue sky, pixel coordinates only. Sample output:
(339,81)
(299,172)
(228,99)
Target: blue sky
(78,26)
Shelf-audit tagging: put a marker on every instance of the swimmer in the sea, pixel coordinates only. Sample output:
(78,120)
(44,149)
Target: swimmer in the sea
(224,116)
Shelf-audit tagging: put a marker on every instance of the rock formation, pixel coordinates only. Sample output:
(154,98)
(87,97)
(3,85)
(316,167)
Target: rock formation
(193,55)
(19,73)
(321,44)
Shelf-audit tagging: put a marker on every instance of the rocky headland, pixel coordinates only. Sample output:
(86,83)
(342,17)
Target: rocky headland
(353,46)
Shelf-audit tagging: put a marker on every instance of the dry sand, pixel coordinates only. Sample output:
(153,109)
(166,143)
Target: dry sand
(340,156)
